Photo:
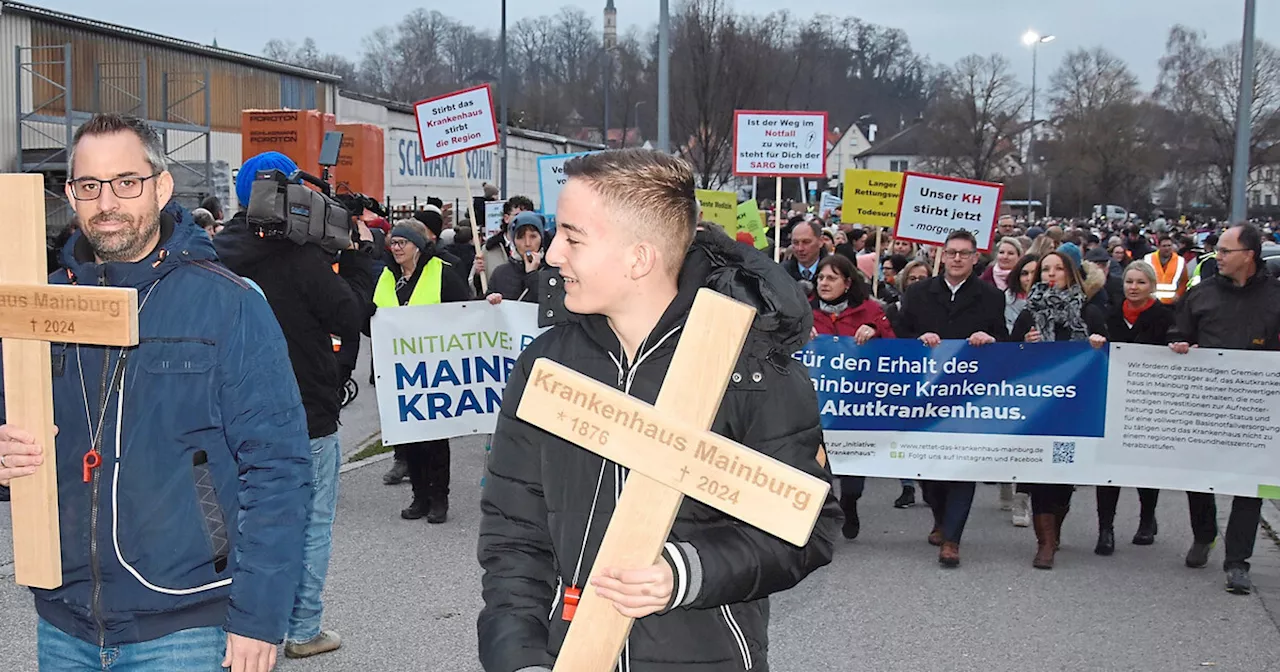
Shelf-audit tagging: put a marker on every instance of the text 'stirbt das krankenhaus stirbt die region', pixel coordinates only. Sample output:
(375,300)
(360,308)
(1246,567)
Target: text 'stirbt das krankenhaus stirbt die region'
(456,122)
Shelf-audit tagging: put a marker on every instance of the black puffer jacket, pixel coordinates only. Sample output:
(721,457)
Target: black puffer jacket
(538,495)
(310,302)
(1219,314)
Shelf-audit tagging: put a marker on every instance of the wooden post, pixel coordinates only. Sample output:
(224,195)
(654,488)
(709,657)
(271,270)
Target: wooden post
(32,315)
(875,288)
(937,260)
(777,220)
(477,227)
(662,475)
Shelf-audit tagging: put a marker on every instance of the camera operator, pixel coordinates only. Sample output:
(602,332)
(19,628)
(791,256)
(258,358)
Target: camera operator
(517,280)
(310,302)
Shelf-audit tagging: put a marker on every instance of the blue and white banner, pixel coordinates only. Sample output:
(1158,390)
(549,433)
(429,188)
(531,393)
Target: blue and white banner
(1127,415)
(442,369)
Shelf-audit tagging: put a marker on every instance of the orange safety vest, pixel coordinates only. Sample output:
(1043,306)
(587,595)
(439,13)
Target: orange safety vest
(1168,289)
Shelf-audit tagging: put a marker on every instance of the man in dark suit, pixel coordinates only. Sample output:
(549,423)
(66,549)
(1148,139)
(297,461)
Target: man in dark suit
(806,252)
(954,305)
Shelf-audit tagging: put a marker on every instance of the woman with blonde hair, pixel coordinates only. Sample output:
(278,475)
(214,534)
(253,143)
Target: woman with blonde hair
(1008,252)
(1138,318)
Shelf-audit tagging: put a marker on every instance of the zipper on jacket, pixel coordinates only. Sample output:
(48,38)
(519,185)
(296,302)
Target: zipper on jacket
(94,561)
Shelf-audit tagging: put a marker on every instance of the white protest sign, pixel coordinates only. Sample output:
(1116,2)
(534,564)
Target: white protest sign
(933,206)
(456,122)
(1227,442)
(790,144)
(829,203)
(492,217)
(551,179)
(442,369)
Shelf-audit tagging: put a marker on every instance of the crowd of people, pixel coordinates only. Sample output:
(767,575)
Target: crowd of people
(280,323)
(1088,281)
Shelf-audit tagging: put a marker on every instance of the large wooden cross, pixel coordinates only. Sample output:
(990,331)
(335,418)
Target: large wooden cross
(33,314)
(732,478)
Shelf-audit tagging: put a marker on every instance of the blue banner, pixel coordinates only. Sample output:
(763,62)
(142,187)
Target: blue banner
(902,385)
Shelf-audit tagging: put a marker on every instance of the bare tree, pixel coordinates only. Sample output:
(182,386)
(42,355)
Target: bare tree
(721,70)
(975,121)
(723,61)
(1102,127)
(1201,85)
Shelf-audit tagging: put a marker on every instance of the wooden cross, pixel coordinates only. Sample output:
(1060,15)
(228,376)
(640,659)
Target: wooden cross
(700,464)
(33,314)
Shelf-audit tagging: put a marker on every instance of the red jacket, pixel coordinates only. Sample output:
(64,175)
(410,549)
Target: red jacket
(853,317)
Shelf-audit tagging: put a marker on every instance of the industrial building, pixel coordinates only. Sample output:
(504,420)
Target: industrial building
(57,69)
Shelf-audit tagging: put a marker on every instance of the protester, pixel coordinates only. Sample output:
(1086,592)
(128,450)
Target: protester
(1236,309)
(420,277)
(1114,283)
(955,305)
(1171,271)
(843,307)
(213,206)
(201,477)
(1008,251)
(205,220)
(913,272)
(517,280)
(1138,318)
(631,268)
(1057,310)
(1207,263)
(806,251)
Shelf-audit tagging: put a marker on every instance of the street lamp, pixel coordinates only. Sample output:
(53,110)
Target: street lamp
(636,114)
(504,84)
(1032,39)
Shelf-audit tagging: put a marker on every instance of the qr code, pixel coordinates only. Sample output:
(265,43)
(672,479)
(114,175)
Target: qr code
(1064,452)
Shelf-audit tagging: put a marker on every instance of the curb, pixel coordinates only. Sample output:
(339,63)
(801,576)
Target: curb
(1271,519)
(352,466)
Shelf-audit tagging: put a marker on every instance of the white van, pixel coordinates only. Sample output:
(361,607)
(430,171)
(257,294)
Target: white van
(1113,212)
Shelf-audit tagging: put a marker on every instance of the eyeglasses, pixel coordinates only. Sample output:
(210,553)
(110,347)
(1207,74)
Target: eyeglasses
(1222,250)
(398,242)
(128,186)
(954,254)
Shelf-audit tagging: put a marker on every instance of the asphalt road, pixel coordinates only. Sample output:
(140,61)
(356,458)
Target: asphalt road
(404,594)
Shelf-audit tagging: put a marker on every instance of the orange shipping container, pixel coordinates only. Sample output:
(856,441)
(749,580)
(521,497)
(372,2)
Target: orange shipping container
(360,163)
(298,134)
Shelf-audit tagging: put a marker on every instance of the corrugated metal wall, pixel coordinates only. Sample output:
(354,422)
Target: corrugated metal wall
(233,87)
(14,31)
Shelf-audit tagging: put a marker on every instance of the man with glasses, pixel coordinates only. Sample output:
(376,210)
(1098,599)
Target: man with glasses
(183,462)
(954,305)
(1236,309)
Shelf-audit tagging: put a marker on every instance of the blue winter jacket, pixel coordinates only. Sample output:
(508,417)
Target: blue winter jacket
(196,516)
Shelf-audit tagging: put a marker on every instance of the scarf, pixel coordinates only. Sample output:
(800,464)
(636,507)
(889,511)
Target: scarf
(832,309)
(1051,307)
(1001,277)
(1131,313)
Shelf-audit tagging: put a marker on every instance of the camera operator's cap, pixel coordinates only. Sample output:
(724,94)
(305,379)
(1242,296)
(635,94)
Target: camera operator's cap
(263,161)
(527,219)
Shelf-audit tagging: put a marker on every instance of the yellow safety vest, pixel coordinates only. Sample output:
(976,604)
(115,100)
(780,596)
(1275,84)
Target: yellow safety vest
(1167,288)
(1195,275)
(427,291)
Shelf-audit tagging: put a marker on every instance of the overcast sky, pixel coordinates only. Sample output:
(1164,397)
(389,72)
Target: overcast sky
(943,30)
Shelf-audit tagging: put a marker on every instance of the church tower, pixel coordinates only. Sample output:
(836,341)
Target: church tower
(610,25)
